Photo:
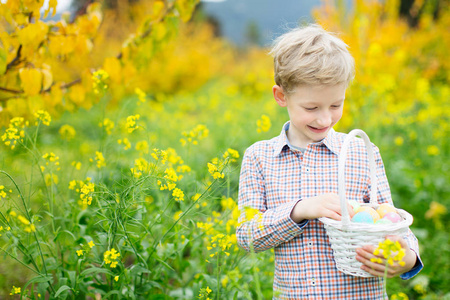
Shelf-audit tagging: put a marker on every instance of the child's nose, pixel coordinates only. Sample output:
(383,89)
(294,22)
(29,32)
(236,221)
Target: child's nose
(324,119)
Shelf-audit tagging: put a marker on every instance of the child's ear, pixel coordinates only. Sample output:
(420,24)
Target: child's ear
(279,95)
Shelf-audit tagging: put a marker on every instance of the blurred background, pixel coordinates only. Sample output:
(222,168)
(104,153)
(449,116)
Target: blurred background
(140,107)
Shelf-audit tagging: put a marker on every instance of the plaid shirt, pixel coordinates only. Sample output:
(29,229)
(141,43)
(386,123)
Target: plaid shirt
(274,177)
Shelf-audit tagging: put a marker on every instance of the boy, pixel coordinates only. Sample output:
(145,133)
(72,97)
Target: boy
(292,178)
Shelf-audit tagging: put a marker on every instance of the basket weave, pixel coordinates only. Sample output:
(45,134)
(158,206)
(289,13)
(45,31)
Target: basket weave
(346,236)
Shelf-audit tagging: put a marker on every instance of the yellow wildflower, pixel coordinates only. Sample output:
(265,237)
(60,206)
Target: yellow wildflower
(107,124)
(263,124)
(142,97)
(110,257)
(100,159)
(433,150)
(436,210)
(391,251)
(116,278)
(14,133)
(80,252)
(131,124)
(398,141)
(43,117)
(15,290)
(200,132)
(142,146)
(125,142)
(91,244)
(99,81)
(77,165)
(2,192)
(232,154)
(178,194)
(400,296)
(67,132)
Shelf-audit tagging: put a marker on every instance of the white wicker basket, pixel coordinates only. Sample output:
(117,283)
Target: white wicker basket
(346,236)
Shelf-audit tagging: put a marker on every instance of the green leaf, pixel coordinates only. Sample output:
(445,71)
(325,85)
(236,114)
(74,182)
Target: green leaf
(72,276)
(64,231)
(165,264)
(62,289)
(106,296)
(95,271)
(37,279)
(138,270)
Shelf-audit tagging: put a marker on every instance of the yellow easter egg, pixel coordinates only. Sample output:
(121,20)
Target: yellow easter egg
(371,211)
(385,208)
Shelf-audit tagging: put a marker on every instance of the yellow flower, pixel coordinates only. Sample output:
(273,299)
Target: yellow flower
(91,244)
(391,252)
(200,132)
(131,124)
(80,252)
(436,210)
(178,194)
(125,142)
(263,124)
(399,296)
(232,154)
(116,278)
(99,81)
(77,165)
(23,220)
(398,141)
(110,257)
(142,97)
(43,117)
(67,132)
(107,124)
(432,150)
(142,146)
(15,290)
(2,192)
(100,159)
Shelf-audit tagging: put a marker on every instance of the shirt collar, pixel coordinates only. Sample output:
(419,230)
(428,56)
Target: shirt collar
(331,141)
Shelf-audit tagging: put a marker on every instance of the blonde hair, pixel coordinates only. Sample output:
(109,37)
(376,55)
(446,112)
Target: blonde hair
(311,56)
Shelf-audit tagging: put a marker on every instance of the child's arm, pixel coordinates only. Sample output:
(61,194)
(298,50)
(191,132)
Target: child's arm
(280,224)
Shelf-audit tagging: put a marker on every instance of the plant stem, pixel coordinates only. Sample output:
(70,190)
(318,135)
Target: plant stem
(218,276)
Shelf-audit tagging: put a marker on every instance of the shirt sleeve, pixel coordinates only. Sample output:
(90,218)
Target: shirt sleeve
(270,227)
(384,195)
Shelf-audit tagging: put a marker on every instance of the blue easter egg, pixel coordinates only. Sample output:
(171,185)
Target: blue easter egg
(363,217)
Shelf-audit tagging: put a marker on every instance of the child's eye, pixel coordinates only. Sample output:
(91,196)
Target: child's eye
(310,108)
(335,106)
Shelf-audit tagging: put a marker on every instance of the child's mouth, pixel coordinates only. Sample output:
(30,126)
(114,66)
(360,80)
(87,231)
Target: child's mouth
(318,130)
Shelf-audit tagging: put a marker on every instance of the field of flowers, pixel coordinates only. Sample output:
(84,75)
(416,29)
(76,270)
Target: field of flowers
(126,188)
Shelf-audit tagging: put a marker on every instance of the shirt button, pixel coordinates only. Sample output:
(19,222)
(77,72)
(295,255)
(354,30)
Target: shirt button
(307,169)
(310,244)
(313,282)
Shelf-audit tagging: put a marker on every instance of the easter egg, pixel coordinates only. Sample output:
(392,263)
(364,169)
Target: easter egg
(371,211)
(363,217)
(355,204)
(385,208)
(383,222)
(393,217)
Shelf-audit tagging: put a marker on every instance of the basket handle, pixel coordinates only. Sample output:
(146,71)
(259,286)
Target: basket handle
(341,172)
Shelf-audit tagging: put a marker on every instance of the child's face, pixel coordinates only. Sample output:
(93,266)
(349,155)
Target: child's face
(313,111)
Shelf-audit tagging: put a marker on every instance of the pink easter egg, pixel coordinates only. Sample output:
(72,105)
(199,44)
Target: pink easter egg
(393,217)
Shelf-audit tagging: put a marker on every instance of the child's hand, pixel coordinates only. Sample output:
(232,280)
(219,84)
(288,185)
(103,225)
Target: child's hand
(365,254)
(325,205)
